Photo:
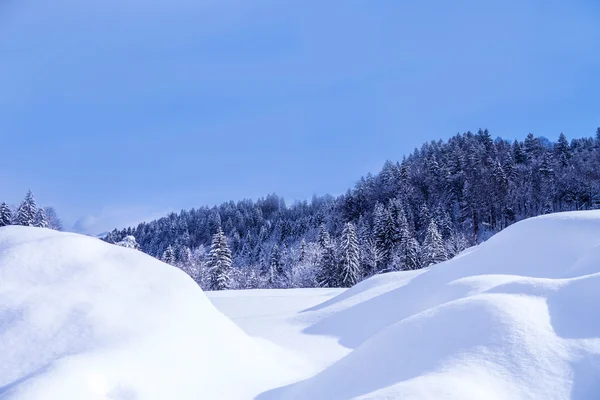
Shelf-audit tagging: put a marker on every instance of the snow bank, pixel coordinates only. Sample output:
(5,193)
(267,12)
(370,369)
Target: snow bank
(82,319)
(517,317)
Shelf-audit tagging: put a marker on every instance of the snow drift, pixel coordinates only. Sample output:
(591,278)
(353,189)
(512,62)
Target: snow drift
(517,317)
(83,319)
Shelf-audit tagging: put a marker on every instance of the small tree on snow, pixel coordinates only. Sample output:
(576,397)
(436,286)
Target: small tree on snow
(40,219)
(5,215)
(349,258)
(169,256)
(219,263)
(130,243)
(433,250)
(26,212)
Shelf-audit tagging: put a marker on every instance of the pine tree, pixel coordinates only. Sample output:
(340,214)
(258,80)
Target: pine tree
(562,149)
(274,268)
(326,275)
(219,263)
(409,251)
(168,256)
(26,212)
(433,247)
(350,272)
(40,219)
(5,215)
(302,252)
(384,234)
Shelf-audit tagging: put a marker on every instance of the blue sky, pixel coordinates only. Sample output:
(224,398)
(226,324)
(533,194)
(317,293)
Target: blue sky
(117,111)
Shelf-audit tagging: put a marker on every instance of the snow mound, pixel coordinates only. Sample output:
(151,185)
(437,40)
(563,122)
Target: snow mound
(83,319)
(517,317)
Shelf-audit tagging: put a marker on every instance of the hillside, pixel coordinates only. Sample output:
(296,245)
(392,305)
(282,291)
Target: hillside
(83,319)
(441,199)
(513,318)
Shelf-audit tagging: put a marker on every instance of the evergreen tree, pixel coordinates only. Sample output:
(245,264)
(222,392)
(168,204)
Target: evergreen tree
(274,268)
(433,247)
(168,256)
(326,275)
(26,212)
(384,234)
(219,262)
(5,215)
(350,272)
(40,219)
(302,251)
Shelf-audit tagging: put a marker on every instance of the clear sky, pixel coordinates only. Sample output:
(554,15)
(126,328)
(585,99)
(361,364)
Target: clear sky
(116,111)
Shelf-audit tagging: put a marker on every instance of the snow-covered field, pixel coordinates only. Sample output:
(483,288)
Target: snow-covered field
(517,317)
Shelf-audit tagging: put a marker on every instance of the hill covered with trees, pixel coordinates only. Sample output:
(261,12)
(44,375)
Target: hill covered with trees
(437,201)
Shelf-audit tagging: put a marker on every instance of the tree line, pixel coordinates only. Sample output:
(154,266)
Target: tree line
(442,198)
(27,213)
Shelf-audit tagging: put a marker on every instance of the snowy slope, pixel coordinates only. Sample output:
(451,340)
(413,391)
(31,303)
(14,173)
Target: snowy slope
(517,317)
(82,319)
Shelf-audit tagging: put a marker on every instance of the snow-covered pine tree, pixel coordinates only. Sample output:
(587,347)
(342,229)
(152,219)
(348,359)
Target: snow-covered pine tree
(384,234)
(302,252)
(5,215)
(40,219)
(562,149)
(326,275)
(350,272)
(169,256)
(274,268)
(26,212)
(433,250)
(219,262)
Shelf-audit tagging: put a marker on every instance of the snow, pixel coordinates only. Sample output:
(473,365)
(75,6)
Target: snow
(83,319)
(514,318)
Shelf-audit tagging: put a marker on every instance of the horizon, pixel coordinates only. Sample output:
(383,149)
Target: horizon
(228,101)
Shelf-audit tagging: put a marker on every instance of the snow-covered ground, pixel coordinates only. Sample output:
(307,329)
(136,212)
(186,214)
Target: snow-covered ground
(517,317)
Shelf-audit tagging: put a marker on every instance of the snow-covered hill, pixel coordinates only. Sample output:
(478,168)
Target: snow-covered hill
(83,319)
(517,317)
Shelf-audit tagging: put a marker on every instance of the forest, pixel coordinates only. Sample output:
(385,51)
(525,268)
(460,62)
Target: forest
(428,207)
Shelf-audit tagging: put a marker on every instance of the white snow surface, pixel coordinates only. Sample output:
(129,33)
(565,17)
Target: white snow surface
(517,317)
(83,319)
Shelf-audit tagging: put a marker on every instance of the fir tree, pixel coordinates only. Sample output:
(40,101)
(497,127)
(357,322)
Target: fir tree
(562,149)
(5,215)
(274,268)
(302,252)
(326,275)
(26,212)
(433,247)
(350,272)
(219,263)
(40,219)
(168,256)
(384,233)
